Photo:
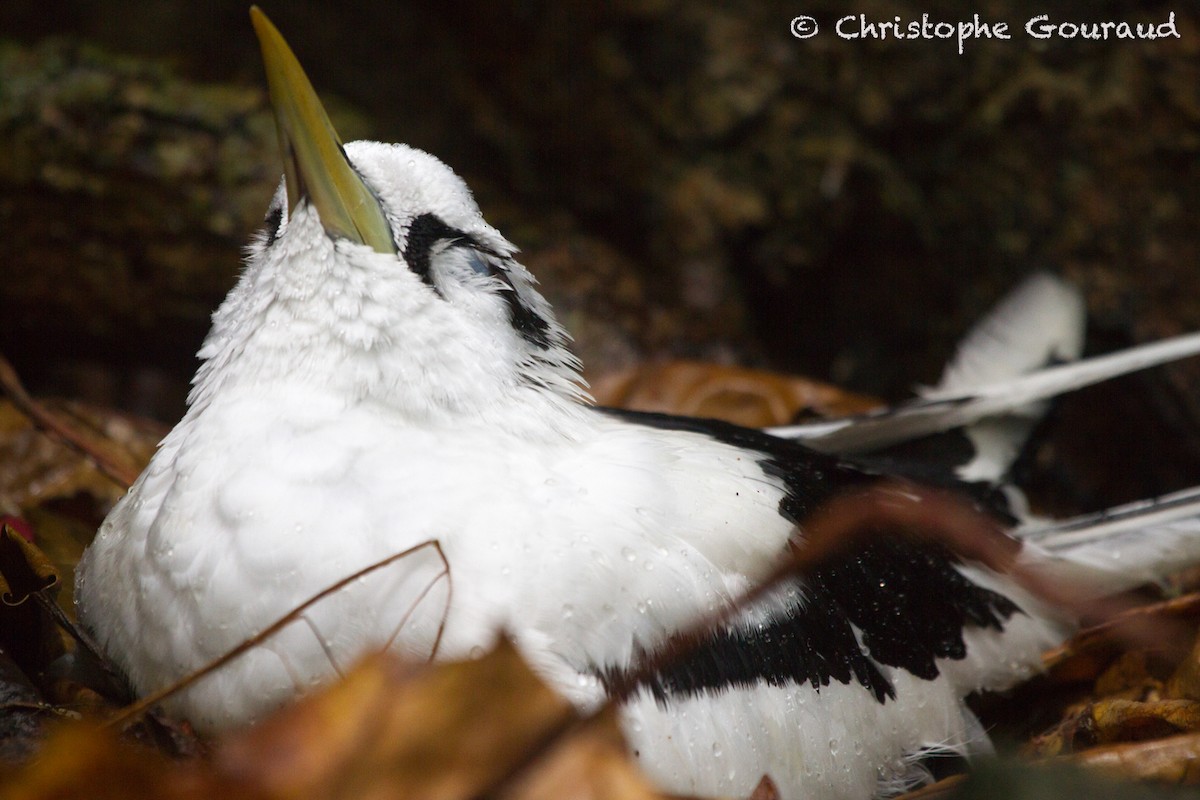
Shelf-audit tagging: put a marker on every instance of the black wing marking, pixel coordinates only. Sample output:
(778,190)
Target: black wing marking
(906,598)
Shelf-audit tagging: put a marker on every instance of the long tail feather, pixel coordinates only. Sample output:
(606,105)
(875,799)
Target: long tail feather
(1122,547)
(940,411)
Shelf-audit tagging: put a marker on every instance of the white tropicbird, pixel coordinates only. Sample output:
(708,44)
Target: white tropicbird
(385,374)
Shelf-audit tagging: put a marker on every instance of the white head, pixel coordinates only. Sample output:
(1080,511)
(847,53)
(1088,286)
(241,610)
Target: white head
(378,277)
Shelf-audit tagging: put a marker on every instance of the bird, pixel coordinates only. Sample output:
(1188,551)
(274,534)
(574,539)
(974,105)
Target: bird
(385,375)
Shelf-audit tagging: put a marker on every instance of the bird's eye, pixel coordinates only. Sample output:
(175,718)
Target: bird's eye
(478,263)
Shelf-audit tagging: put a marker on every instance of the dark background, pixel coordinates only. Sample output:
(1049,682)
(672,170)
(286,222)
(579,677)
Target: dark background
(686,179)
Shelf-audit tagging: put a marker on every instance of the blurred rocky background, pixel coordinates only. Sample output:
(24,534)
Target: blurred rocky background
(686,178)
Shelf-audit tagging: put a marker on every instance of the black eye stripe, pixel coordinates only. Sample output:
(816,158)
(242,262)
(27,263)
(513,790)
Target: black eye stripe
(427,230)
(273,222)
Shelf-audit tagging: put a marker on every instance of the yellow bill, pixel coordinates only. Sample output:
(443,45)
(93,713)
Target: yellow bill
(313,159)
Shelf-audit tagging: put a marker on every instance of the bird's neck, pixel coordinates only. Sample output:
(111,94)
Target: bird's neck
(264,362)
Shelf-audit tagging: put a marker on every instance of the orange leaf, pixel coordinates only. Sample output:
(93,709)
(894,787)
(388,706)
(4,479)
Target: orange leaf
(737,394)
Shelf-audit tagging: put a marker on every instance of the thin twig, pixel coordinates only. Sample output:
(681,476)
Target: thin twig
(413,607)
(146,703)
(51,607)
(68,434)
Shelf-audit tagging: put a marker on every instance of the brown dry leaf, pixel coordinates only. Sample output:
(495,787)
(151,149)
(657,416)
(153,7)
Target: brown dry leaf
(1049,744)
(1129,677)
(751,397)
(1174,760)
(35,468)
(1113,720)
(591,763)
(1126,703)
(388,730)
(394,730)
(1127,700)
(28,635)
(1087,654)
(1185,681)
(82,760)
(62,537)
(1119,720)
(24,569)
